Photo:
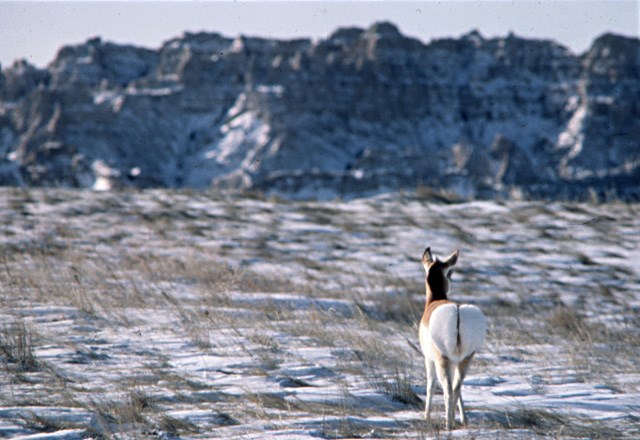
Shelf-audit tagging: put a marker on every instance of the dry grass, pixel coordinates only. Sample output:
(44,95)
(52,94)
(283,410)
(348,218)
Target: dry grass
(126,413)
(398,385)
(16,346)
(546,423)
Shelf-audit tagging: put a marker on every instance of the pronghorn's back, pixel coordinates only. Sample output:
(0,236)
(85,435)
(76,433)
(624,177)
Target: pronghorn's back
(430,308)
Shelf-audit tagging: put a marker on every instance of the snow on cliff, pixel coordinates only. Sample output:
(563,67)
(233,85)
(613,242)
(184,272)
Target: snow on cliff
(361,112)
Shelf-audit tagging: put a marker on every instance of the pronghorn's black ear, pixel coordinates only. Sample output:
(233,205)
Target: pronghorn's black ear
(427,257)
(452,259)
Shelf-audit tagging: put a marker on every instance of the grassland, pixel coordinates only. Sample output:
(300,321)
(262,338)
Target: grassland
(193,315)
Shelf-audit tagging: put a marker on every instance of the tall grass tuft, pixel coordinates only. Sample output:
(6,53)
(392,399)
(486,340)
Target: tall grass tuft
(16,345)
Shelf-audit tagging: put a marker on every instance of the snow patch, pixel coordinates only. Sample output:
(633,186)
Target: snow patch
(105,175)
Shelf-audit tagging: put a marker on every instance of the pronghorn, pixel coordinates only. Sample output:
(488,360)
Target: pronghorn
(450,334)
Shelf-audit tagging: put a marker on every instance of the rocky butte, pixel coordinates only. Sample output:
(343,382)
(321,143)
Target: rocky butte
(361,112)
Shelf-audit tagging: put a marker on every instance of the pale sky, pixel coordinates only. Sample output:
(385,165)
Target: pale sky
(36,30)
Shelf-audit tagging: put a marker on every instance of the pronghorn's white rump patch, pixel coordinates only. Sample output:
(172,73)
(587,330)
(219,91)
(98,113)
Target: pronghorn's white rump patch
(457,330)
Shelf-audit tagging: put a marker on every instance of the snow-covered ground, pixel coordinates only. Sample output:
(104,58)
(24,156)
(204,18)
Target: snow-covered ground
(165,314)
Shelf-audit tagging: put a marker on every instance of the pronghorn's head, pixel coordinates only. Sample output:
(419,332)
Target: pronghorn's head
(438,273)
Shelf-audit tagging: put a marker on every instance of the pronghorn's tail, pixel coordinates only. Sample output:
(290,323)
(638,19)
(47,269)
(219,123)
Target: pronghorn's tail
(457,330)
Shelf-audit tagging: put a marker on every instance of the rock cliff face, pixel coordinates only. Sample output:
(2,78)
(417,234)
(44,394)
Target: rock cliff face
(361,112)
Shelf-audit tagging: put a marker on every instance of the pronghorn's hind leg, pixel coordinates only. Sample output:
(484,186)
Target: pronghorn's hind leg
(431,385)
(445,376)
(461,371)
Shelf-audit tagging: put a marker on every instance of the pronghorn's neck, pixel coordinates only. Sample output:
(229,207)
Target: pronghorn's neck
(437,286)
(438,273)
